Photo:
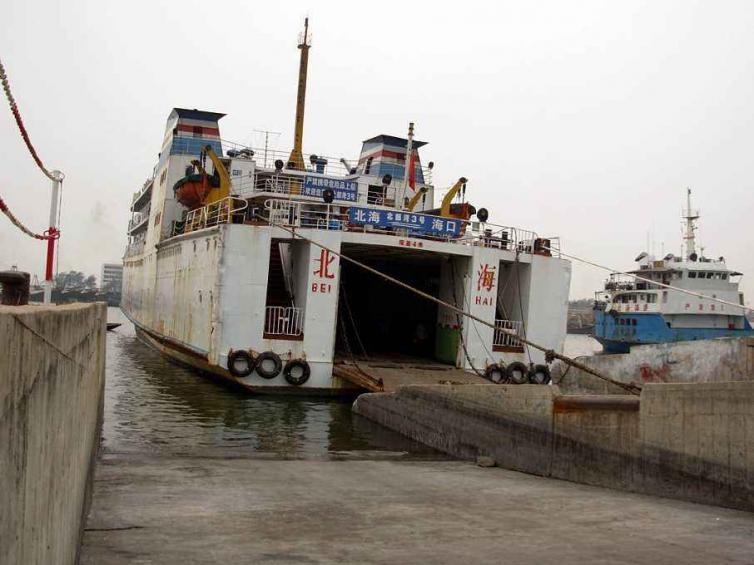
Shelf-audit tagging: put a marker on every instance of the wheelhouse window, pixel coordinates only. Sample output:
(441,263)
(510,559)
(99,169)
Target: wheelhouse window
(692,274)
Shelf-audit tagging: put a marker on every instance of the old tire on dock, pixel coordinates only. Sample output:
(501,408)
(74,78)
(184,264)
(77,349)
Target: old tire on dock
(297,372)
(539,375)
(496,373)
(269,365)
(518,373)
(240,363)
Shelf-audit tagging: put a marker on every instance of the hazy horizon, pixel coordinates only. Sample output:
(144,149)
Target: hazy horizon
(582,120)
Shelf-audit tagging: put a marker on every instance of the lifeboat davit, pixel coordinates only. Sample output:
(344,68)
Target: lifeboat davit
(192,190)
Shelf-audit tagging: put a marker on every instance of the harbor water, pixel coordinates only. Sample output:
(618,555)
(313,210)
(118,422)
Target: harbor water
(152,405)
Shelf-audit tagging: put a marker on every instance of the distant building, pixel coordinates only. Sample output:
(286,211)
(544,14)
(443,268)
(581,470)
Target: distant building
(112,277)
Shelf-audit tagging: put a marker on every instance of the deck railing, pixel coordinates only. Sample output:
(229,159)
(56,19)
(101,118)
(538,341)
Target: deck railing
(283,321)
(221,212)
(506,332)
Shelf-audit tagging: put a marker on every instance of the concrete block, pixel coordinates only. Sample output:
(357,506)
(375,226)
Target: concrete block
(52,375)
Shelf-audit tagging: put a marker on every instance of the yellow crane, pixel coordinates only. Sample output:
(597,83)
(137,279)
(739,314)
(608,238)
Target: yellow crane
(445,208)
(216,193)
(415,198)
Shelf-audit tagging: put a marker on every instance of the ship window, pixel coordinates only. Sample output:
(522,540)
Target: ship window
(368,166)
(197,130)
(724,276)
(710,275)
(633,322)
(692,274)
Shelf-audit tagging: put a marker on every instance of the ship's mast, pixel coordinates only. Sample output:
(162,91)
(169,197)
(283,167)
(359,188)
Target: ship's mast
(691,216)
(407,164)
(297,157)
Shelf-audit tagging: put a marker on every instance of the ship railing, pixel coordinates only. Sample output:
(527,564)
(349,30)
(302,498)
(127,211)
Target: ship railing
(223,211)
(509,238)
(334,217)
(293,185)
(138,219)
(332,166)
(506,334)
(283,321)
(135,248)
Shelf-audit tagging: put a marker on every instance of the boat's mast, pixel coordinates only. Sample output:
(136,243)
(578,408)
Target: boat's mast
(690,216)
(297,157)
(407,169)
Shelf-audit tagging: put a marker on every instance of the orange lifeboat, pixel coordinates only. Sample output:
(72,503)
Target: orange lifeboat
(192,190)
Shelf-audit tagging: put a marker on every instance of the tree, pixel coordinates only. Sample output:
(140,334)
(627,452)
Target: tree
(68,280)
(90,282)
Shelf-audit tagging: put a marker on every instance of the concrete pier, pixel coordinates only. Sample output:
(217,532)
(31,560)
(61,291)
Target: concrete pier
(196,510)
(703,361)
(688,441)
(52,374)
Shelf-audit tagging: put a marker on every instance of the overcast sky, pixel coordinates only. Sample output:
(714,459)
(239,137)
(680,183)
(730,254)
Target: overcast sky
(585,120)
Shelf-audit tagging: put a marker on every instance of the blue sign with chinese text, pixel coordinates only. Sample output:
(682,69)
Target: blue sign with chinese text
(415,223)
(343,189)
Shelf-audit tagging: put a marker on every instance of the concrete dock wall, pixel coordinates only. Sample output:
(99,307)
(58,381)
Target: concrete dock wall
(703,361)
(52,374)
(688,441)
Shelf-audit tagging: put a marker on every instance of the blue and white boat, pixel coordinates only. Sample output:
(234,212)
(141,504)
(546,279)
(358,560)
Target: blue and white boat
(636,311)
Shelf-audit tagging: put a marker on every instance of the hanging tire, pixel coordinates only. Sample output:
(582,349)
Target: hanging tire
(496,373)
(539,375)
(518,373)
(269,365)
(240,363)
(297,372)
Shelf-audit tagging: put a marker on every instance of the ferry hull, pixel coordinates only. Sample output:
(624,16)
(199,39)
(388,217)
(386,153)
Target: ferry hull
(642,329)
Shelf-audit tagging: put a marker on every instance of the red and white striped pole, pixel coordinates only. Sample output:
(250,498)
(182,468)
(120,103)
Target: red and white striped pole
(53,234)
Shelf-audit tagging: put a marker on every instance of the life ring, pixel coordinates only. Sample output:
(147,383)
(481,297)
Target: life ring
(518,373)
(495,372)
(297,372)
(263,362)
(539,375)
(240,363)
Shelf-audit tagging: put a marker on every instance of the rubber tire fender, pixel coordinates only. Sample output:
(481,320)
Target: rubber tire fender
(240,355)
(539,375)
(518,373)
(496,369)
(288,372)
(269,356)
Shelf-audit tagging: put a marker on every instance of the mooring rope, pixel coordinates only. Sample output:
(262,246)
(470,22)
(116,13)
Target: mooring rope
(51,233)
(20,123)
(549,353)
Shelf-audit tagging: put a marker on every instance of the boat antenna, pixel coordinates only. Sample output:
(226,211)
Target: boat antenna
(297,158)
(691,216)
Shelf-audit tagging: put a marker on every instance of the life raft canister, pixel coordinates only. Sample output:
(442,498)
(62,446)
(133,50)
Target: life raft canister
(539,375)
(269,365)
(240,363)
(496,373)
(297,372)
(518,373)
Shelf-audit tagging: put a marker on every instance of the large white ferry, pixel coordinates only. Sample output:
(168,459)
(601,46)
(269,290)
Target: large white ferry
(223,270)
(631,311)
